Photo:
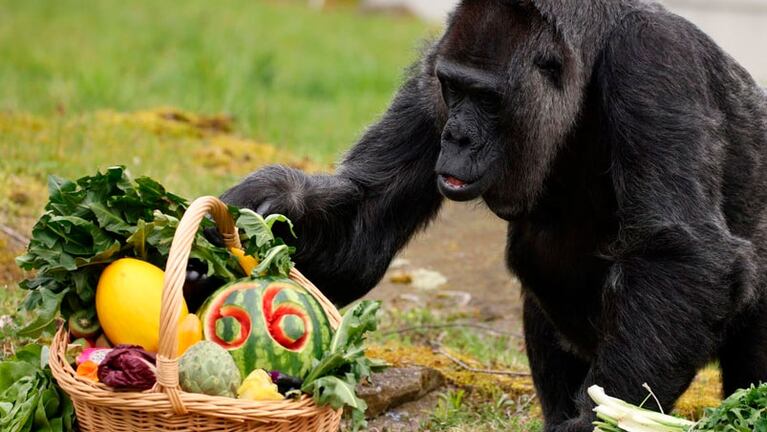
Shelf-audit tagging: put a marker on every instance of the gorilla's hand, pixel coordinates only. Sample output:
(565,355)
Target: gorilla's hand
(323,209)
(273,189)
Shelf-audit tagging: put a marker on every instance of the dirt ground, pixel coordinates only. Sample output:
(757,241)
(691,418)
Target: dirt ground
(466,244)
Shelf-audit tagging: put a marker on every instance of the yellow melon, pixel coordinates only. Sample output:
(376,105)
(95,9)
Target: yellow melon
(128,299)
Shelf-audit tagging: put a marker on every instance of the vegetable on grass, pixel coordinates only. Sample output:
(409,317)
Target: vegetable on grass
(29,397)
(745,410)
(616,415)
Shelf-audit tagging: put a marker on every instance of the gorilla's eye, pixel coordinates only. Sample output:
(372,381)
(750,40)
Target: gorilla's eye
(550,66)
(449,93)
(490,102)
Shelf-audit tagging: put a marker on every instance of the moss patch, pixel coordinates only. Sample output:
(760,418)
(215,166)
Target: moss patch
(705,392)
(484,384)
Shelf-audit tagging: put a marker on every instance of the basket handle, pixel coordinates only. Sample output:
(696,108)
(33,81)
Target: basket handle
(172,292)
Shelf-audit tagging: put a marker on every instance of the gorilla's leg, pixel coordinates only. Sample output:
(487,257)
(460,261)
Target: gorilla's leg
(557,374)
(743,357)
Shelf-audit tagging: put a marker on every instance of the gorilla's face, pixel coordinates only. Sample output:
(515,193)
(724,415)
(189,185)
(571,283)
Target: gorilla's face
(507,81)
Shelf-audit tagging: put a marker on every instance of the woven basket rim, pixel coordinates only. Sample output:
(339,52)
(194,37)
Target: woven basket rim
(167,398)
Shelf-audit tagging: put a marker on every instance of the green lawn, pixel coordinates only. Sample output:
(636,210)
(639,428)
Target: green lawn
(306,80)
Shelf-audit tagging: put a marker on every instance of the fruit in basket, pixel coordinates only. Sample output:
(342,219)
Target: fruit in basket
(189,333)
(258,386)
(267,323)
(102,342)
(128,302)
(82,324)
(208,369)
(247,262)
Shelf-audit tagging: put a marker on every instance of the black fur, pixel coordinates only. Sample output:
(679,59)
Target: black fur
(627,152)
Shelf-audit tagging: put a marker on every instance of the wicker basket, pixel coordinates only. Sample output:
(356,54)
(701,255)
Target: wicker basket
(166,407)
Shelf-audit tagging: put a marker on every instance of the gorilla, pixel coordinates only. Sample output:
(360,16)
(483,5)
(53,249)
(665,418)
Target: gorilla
(627,152)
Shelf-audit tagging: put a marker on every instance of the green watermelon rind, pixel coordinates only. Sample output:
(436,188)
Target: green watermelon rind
(260,350)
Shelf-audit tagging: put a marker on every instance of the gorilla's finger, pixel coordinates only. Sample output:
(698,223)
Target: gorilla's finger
(213,236)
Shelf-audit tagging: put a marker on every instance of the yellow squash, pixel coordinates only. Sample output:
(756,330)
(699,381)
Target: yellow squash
(128,299)
(189,333)
(247,262)
(258,386)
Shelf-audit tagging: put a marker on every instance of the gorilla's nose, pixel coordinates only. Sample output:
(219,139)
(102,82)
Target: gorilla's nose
(455,136)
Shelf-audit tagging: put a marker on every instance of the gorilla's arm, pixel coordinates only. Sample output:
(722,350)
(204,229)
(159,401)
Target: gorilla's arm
(352,223)
(678,272)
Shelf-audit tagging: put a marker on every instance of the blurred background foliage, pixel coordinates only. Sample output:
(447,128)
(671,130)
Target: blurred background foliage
(306,80)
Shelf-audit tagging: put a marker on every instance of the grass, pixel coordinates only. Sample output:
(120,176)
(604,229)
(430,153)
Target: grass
(457,412)
(302,79)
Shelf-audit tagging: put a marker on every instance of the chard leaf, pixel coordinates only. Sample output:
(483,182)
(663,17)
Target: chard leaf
(218,259)
(110,220)
(46,305)
(138,239)
(256,230)
(276,261)
(29,397)
(64,195)
(333,391)
(259,240)
(336,392)
(357,321)
(334,378)
(272,218)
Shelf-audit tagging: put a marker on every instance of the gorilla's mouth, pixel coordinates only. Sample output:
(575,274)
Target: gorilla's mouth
(454,182)
(458,189)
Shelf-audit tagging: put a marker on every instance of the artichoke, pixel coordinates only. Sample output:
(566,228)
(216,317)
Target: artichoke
(208,369)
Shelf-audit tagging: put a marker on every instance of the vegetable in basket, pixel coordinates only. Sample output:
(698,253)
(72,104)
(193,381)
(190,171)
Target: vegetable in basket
(104,222)
(259,386)
(96,220)
(83,324)
(128,367)
(208,369)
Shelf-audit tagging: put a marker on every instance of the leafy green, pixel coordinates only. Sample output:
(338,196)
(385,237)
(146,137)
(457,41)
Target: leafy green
(333,379)
(93,221)
(260,241)
(745,410)
(29,397)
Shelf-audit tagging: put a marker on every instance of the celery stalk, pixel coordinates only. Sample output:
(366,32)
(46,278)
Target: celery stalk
(616,415)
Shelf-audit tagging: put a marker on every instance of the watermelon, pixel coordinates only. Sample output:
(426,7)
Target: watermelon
(267,323)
